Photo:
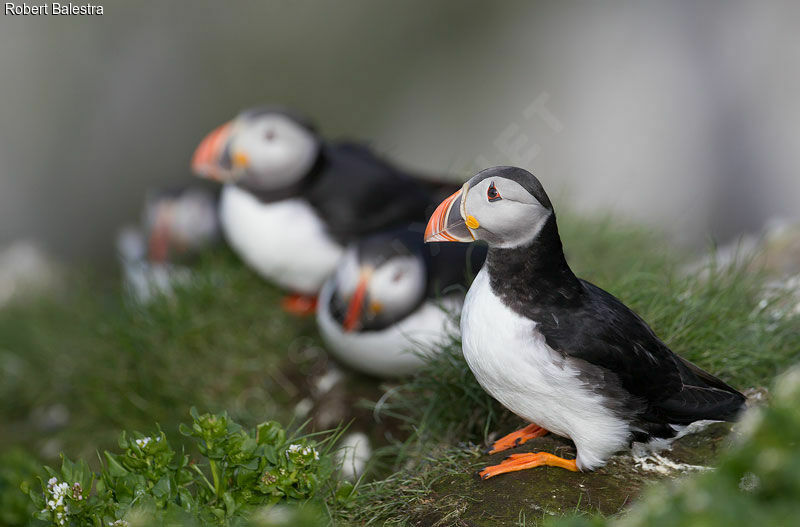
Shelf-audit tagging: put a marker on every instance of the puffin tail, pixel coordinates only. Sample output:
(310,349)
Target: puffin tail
(704,397)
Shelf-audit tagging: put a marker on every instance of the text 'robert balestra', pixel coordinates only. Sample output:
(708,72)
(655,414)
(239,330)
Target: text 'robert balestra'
(54,8)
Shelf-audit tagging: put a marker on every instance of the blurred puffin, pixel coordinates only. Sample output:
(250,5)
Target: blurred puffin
(291,201)
(180,222)
(392,297)
(557,351)
(176,224)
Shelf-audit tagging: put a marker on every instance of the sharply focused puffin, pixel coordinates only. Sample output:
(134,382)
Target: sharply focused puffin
(557,351)
(291,201)
(392,298)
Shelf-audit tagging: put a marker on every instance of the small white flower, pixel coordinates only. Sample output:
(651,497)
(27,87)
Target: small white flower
(303,450)
(143,442)
(294,447)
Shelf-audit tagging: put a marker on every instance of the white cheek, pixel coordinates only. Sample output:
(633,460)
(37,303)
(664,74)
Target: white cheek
(512,222)
(504,216)
(397,294)
(347,275)
(281,161)
(521,224)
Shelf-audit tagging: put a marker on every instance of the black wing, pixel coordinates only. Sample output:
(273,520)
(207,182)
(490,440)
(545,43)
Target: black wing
(357,193)
(602,331)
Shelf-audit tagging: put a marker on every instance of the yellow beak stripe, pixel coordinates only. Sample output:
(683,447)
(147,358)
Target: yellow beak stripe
(240,160)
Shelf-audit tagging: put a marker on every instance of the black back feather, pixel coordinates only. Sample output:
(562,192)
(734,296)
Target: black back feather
(357,193)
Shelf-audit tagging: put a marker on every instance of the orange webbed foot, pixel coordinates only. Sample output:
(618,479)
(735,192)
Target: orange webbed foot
(299,305)
(516,462)
(517,438)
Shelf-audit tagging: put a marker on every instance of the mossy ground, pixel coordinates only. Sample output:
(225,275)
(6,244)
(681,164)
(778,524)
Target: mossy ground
(462,498)
(82,365)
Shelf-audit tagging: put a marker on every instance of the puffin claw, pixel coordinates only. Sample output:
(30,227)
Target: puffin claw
(514,439)
(517,462)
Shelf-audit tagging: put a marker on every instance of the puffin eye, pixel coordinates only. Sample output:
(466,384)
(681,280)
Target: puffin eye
(270,135)
(492,194)
(397,276)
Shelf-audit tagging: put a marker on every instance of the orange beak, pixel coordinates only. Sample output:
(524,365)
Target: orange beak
(447,224)
(356,305)
(158,246)
(206,161)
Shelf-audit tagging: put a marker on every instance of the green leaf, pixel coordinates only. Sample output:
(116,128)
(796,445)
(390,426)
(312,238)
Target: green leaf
(114,468)
(230,504)
(271,454)
(345,491)
(161,488)
(270,433)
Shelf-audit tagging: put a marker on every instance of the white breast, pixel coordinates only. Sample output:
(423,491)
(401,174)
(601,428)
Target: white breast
(396,350)
(284,241)
(512,361)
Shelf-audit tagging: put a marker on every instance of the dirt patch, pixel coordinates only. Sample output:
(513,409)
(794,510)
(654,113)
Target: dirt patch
(532,495)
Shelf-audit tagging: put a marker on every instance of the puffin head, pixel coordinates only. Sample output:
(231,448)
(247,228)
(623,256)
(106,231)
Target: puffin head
(268,149)
(379,280)
(503,206)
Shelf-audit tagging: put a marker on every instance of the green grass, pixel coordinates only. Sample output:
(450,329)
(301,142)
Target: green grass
(224,344)
(221,344)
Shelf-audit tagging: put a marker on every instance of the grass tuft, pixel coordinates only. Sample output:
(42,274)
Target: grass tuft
(80,368)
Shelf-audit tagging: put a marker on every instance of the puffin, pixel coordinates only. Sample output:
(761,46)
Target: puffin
(176,224)
(393,299)
(179,222)
(556,350)
(291,201)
